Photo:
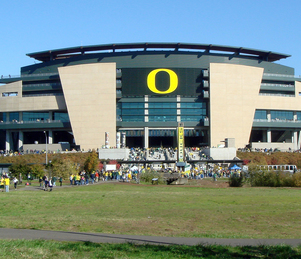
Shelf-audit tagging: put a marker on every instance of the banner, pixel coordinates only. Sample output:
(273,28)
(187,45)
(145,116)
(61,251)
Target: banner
(118,139)
(180,144)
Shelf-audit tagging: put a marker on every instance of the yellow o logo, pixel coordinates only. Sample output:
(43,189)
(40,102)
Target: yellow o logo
(151,81)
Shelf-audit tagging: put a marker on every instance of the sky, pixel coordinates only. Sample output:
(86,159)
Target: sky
(38,25)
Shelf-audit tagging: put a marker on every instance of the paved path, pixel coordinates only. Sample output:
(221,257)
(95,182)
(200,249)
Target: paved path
(112,238)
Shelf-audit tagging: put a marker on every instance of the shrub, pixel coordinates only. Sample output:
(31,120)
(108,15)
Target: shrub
(236,180)
(149,174)
(297,179)
(265,178)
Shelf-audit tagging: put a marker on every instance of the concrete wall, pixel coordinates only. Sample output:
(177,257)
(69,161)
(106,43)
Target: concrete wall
(90,94)
(233,91)
(279,146)
(234,97)
(19,103)
(221,153)
(113,153)
(50,147)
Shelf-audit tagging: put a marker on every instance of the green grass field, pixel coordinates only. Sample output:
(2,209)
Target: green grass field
(67,250)
(158,210)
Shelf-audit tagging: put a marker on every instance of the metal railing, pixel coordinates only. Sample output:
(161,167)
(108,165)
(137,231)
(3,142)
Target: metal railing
(276,120)
(281,75)
(280,85)
(281,95)
(29,122)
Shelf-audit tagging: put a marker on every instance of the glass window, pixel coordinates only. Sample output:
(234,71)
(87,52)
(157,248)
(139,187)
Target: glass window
(132,112)
(13,116)
(2,116)
(193,112)
(61,116)
(192,118)
(9,94)
(162,105)
(260,115)
(193,105)
(132,105)
(162,111)
(162,118)
(132,118)
(282,115)
(35,116)
(298,116)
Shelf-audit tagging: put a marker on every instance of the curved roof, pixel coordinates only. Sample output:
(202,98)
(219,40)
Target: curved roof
(68,52)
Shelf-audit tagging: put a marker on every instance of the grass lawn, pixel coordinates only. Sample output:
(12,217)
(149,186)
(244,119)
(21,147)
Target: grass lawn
(53,249)
(184,211)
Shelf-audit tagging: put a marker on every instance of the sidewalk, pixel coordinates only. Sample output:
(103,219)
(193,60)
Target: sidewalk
(154,240)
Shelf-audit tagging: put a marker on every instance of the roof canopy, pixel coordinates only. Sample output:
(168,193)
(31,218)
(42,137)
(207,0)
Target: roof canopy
(68,52)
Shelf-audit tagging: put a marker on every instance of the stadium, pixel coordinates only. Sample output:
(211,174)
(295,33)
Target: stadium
(137,94)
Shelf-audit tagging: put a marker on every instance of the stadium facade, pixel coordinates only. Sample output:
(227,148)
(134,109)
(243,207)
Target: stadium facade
(86,96)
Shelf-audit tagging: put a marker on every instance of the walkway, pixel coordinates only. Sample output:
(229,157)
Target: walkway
(154,240)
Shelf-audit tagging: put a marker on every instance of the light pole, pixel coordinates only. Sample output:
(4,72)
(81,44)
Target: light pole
(46,148)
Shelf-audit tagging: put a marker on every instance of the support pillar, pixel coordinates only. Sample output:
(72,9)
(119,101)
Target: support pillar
(21,138)
(295,139)
(146,137)
(299,140)
(50,137)
(7,141)
(269,136)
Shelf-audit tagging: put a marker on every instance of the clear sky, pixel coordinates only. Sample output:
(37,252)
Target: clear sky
(32,26)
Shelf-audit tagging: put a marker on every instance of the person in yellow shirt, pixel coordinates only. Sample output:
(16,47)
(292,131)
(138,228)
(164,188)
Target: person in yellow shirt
(2,183)
(6,184)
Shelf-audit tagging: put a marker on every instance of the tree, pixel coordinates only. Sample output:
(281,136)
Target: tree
(91,162)
(18,168)
(37,170)
(62,167)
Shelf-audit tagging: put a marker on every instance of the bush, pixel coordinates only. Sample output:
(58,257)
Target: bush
(148,175)
(265,178)
(297,179)
(236,180)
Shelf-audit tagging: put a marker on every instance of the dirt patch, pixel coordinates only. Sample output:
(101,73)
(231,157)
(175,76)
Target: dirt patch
(208,183)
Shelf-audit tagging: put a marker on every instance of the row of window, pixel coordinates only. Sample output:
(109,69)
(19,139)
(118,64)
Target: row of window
(162,118)
(162,105)
(277,115)
(34,116)
(164,133)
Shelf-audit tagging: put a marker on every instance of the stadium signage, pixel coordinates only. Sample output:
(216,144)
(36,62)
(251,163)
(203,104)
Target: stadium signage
(151,81)
(161,82)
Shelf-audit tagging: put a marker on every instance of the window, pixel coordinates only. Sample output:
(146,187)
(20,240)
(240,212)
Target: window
(162,111)
(61,116)
(298,116)
(127,118)
(35,116)
(13,116)
(162,118)
(192,118)
(9,94)
(162,105)
(282,115)
(260,115)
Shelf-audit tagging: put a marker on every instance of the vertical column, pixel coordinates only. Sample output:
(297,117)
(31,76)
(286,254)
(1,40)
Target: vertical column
(299,140)
(269,136)
(50,137)
(146,135)
(7,140)
(20,143)
(20,116)
(178,108)
(269,115)
(295,139)
(50,115)
(145,108)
